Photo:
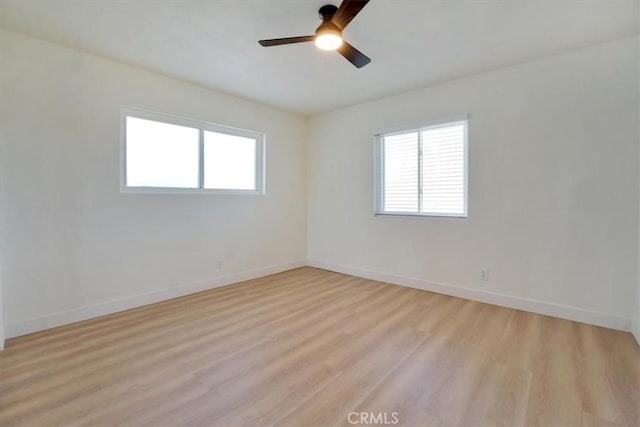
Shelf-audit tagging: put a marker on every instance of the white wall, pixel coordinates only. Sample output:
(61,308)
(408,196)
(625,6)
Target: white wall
(636,320)
(1,320)
(72,245)
(553,206)
(3,110)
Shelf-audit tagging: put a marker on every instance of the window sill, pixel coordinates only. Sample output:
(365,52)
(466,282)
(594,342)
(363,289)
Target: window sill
(417,216)
(184,191)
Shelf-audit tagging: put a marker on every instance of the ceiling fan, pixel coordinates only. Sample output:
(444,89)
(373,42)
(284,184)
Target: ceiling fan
(329,34)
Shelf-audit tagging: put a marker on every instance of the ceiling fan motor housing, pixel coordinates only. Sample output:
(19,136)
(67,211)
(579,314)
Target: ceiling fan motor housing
(327,27)
(327,11)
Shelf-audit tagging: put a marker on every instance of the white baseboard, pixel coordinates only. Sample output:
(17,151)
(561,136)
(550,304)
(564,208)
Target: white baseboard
(524,304)
(83,313)
(636,331)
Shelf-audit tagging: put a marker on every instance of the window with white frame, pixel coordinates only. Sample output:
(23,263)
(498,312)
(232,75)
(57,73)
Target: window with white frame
(422,171)
(162,153)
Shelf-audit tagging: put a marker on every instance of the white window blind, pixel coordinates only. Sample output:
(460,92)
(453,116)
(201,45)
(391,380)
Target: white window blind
(423,171)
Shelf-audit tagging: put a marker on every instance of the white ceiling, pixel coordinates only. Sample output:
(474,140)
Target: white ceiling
(412,43)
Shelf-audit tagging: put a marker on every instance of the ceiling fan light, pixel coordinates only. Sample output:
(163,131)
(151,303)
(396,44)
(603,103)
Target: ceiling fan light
(328,41)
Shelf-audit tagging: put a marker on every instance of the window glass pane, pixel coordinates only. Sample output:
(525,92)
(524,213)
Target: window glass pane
(161,154)
(443,170)
(401,172)
(229,162)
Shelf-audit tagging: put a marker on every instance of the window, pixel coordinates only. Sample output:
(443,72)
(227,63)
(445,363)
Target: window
(422,171)
(167,154)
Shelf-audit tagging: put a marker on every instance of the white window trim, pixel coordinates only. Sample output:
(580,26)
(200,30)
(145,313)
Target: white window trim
(201,126)
(378,169)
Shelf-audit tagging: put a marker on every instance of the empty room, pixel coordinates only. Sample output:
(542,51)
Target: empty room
(315,213)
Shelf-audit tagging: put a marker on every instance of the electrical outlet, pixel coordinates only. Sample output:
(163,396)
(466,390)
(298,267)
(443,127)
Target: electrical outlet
(484,274)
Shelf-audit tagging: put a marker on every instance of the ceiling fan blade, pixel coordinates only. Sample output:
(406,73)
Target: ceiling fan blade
(353,55)
(347,11)
(286,40)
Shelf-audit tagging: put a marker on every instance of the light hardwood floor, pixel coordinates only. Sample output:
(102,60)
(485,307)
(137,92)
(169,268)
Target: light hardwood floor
(307,347)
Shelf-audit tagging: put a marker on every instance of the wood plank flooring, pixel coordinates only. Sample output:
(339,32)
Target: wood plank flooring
(308,347)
